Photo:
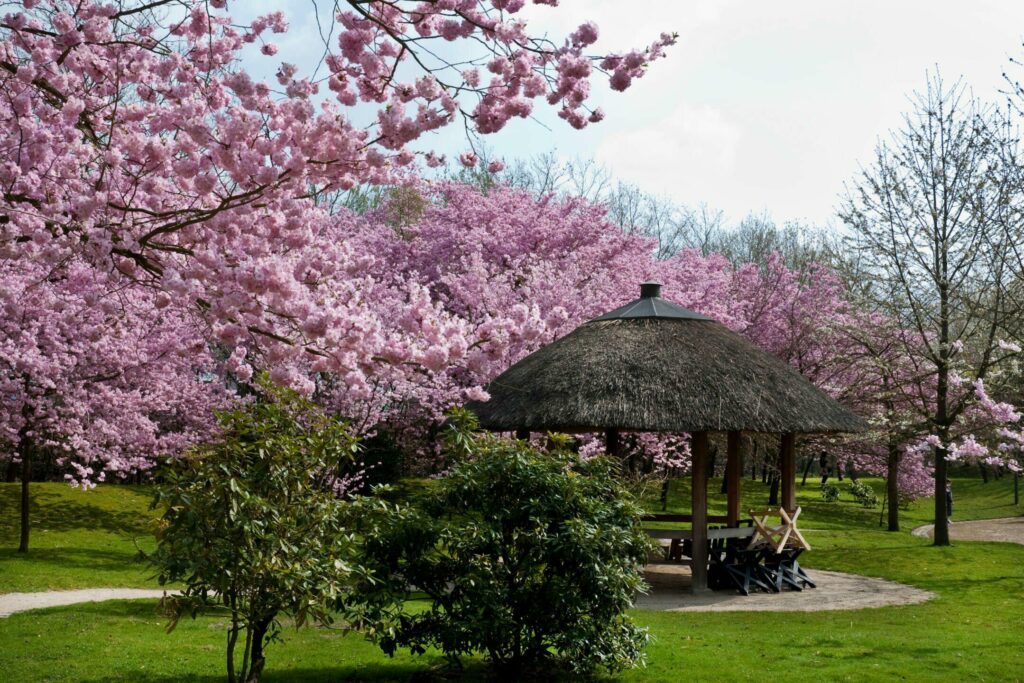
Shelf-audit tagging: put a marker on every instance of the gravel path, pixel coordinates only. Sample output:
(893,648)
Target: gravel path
(836,591)
(1007,530)
(11,603)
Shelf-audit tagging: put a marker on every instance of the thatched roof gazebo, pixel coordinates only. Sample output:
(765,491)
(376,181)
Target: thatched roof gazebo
(653,366)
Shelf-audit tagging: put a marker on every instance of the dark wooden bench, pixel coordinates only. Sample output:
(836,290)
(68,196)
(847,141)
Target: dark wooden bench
(680,537)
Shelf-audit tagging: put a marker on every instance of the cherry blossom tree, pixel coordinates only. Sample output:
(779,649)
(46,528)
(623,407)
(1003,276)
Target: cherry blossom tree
(99,379)
(934,221)
(139,145)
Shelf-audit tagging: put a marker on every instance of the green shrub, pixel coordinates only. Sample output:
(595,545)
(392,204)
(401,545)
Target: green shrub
(829,492)
(529,558)
(253,526)
(863,494)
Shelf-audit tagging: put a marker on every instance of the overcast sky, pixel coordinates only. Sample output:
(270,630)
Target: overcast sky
(762,106)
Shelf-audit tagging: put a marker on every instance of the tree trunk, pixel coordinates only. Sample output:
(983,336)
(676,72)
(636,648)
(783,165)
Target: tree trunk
(892,484)
(941,534)
(256,659)
(753,459)
(232,639)
(664,493)
(26,477)
(942,419)
(1016,488)
(807,469)
(984,472)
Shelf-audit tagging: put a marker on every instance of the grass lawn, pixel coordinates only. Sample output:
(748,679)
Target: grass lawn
(973,499)
(79,539)
(972,630)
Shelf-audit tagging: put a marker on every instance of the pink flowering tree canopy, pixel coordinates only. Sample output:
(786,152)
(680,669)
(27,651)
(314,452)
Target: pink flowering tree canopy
(141,146)
(160,213)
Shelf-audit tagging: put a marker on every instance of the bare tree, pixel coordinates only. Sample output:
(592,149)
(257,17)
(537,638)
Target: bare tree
(933,221)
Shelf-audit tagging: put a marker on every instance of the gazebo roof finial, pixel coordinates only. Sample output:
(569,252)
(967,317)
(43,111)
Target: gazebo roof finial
(650,289)
(651,305)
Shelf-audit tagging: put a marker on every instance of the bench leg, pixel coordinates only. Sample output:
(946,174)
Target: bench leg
(801,575)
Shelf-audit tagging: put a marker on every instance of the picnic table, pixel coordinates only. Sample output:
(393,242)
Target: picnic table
(757,554)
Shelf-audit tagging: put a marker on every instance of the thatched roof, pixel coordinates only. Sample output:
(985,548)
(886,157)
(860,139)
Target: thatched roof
(655,366)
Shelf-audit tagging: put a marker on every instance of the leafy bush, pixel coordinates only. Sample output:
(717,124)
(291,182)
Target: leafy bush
(829,493)
(253,524)
(863,494)
(530,558)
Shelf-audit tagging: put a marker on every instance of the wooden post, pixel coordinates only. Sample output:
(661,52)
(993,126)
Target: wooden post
(699,510)
(611,443)
(787,472)
(733,476)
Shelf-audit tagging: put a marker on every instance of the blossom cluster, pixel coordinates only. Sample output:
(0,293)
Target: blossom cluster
(148,170)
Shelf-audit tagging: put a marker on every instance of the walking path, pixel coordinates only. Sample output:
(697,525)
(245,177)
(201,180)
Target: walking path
(1007,530)
(11,603)
(669,585)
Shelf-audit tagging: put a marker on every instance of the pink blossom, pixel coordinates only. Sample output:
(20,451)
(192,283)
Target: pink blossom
(586,34)
(477,394)
(620,79)
(1009,347)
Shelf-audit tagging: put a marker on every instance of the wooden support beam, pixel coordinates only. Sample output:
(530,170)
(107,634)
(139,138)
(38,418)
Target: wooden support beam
(788,471)
(699,554)
(611,443)
(733,477)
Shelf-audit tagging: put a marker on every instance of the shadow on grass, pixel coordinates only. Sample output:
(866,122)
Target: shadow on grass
(75,558)
(54,512)
(377,673)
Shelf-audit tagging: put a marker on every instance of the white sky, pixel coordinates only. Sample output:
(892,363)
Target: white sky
(761,106)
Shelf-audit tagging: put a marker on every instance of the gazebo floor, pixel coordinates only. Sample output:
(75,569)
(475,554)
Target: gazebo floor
(670,592)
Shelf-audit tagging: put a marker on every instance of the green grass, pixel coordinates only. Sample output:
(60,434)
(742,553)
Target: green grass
(972,630)
(79,539)
(973,499)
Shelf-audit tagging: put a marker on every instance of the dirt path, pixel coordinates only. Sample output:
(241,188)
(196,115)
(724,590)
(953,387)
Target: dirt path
(836,591)
(1007,530)
(10,603)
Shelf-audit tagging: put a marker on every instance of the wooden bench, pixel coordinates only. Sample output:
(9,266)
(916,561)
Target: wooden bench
(674,552)
(687,534)
(671,517)
(778,536)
